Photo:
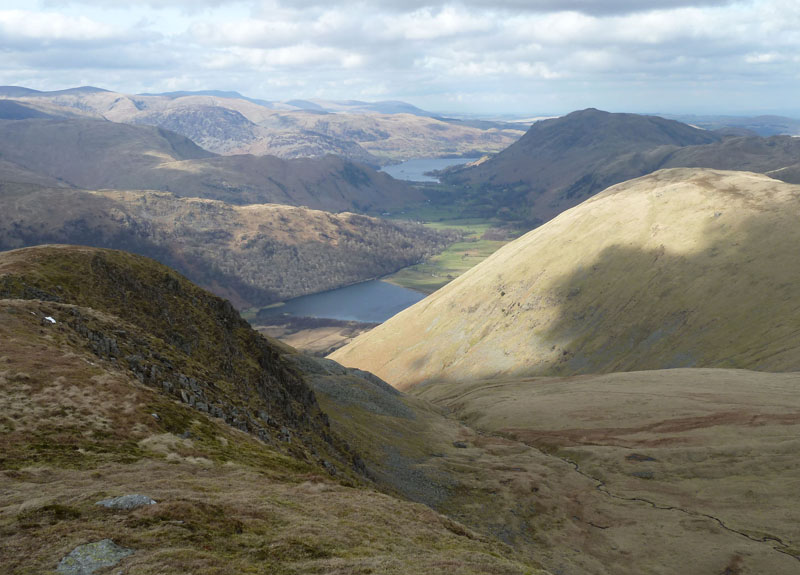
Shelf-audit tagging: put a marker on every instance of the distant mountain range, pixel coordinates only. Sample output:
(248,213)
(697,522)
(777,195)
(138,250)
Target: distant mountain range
(95,154)
(560,162)
(223,122)
(214,218)
(745,125)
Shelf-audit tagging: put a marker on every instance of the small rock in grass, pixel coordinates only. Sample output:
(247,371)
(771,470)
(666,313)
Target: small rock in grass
(460,444)
(86,559)
(126,502)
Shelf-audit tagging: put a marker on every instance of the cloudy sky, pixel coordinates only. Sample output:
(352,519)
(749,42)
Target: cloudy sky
(473,56)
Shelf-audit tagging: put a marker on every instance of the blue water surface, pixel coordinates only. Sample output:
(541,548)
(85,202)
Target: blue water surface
(372,301)
(414,170)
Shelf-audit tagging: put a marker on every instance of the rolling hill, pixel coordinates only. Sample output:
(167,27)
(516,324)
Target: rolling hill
(253,255)
(97,154)
(681,268)
(562,161)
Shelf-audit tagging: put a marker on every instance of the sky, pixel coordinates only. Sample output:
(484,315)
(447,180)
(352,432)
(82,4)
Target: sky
(533,57)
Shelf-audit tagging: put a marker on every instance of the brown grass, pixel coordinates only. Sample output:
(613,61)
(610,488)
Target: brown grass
(76,429)
(696,443)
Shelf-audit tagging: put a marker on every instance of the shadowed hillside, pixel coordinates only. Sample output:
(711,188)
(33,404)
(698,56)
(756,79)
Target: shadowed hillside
(620,474)
(253,255)
(97,154)
(188,343)
(551,167)
(563,161)
(683,447)
(682,268)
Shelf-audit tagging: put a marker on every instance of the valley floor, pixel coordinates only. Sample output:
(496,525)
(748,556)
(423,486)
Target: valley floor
(678,471)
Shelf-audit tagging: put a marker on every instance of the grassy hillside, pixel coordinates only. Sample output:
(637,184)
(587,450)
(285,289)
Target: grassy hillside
(563,161)
(97,154)
(682,268)
(170,335)
(253,255)
(552,167)
(117,376)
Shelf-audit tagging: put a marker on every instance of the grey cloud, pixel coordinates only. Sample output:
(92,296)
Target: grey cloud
(593,7)
(454,55)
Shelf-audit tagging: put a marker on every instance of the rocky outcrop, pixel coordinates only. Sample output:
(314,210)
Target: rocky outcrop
(91,557)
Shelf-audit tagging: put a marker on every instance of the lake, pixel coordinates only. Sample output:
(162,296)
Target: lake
(372,301)
(414,170)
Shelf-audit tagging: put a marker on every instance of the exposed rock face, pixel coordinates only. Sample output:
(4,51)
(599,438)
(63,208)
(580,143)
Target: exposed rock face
(86,559)
(176,337)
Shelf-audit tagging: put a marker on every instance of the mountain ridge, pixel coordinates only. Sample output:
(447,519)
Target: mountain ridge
(252,255)
(562,161)
(375,133)
(98,154)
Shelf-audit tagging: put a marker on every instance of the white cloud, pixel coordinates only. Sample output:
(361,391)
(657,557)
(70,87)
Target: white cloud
(536,51)
(25,26)
(427,24)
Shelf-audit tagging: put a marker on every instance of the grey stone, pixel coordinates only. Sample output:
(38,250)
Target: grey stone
(643,474)
(86,559)
(126,502)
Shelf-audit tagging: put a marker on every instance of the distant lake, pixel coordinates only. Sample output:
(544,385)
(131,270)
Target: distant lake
(414,170)
(372,301)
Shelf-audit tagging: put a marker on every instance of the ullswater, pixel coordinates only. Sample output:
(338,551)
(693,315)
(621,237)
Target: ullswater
(415,170)
(372,301)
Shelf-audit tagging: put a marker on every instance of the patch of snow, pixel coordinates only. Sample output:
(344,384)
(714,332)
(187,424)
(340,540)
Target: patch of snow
(50,319)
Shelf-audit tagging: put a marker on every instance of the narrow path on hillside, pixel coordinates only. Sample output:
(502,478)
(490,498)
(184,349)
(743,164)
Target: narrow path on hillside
(452,400)
(601,486)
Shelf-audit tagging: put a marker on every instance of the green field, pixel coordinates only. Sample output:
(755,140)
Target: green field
(439,270)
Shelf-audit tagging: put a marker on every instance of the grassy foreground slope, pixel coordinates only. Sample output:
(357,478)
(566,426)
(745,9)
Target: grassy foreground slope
(118,376)
(681,268)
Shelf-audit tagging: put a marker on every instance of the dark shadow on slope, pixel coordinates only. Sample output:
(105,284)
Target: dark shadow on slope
(733,303)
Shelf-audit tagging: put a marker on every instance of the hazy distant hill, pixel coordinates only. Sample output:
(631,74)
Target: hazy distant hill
(681,268)
(229,123)
(253,255)
(97,154)
(554,165)
(11,110)
(560,162)
(760,125)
